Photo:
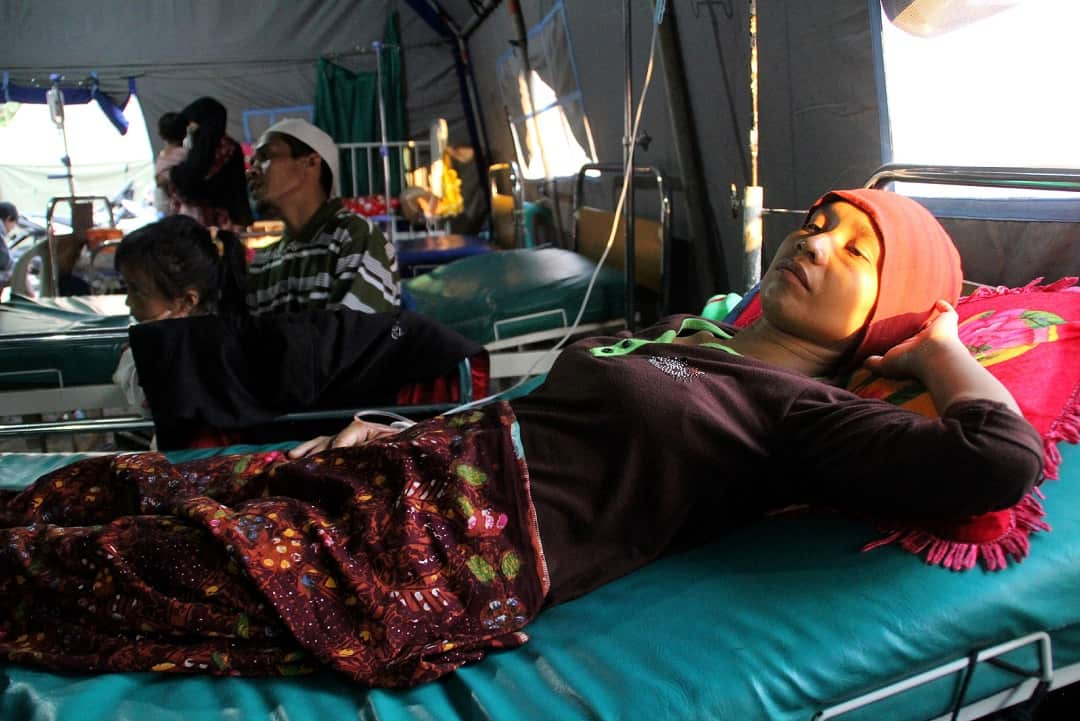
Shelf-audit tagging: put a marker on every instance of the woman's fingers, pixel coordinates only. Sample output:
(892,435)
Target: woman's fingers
(360,432)
(356,433)
(321,443)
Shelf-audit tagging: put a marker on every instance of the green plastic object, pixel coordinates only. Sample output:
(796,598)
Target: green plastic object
(514,292)
(717,307)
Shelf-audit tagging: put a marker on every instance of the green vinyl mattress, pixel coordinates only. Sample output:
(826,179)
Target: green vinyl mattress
(510,293)
(779,620)
(65,341)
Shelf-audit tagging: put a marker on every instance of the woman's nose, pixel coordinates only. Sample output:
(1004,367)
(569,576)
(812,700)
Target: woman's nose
(816,247)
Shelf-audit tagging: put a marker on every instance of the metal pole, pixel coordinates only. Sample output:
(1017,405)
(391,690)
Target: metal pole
(384,150)
(754,194)
(628,162)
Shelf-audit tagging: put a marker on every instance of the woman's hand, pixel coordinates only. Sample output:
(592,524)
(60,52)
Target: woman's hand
(915,356)
(937,357)
(356,433)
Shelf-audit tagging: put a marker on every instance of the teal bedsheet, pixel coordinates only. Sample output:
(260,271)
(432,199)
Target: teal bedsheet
(776,621)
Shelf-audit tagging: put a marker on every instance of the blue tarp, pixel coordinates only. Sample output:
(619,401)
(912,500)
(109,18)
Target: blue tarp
(74,96)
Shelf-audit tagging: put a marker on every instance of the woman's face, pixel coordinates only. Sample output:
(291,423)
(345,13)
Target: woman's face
(823,281)
(147,302)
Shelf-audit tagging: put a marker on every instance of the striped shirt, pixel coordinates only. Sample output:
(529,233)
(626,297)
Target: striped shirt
(338,259)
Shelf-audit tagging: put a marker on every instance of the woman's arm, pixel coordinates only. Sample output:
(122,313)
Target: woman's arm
(937,357)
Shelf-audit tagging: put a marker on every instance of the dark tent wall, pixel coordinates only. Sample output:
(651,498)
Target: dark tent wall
(818,106)
(246,54)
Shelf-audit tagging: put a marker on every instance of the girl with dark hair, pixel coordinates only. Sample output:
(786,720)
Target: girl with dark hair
(176,268)
(210,181)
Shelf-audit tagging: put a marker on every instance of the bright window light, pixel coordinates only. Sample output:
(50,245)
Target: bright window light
(562,153)
(544,105)
(102,160)
(999,92)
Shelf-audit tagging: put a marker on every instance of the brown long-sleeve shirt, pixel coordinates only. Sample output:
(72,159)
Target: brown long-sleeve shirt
(635,449)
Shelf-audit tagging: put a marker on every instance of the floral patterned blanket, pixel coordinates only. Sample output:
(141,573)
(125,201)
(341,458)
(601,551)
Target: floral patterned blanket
(393,563)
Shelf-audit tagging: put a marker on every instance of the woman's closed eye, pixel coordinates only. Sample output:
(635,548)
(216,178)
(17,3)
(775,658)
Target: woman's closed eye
(856,252)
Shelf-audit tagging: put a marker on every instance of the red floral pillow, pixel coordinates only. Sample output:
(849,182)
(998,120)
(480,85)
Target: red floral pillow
(1029,339)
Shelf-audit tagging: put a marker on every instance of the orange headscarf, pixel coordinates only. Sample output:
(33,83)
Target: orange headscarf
(919,266)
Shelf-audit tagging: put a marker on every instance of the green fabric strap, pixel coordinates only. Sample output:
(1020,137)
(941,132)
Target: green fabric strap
(629,345)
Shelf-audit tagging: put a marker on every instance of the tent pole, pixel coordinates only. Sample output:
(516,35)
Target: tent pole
(711,267)
(478,19)
(480,139)
(628,165)
(754,194)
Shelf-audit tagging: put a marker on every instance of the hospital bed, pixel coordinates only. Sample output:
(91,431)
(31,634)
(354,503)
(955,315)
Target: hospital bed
(59,354)
(519,302)
(783,619)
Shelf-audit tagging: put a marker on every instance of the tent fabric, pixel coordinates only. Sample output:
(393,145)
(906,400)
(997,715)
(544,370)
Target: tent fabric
(551,57)
(103,161)
(246,54)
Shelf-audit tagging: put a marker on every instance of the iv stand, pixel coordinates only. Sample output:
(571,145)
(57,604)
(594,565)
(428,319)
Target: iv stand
(753,194)
(628,169)
(384,149)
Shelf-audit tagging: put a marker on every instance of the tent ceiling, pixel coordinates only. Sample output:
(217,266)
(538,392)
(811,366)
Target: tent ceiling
(247,54)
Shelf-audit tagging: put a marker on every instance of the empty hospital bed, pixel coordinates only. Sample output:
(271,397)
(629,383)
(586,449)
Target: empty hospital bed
(58,354)
(518,302)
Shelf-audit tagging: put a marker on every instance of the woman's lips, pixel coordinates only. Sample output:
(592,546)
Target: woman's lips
(795,269)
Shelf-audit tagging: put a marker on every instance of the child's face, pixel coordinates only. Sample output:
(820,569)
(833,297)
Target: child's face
(146,301)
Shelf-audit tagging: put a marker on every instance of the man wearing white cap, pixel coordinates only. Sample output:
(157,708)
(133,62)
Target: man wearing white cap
(329,256)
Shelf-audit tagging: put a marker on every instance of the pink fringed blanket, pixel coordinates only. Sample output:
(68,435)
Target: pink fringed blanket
(1029,339)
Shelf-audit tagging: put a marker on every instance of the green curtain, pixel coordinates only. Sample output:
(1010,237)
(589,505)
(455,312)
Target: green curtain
(346,107)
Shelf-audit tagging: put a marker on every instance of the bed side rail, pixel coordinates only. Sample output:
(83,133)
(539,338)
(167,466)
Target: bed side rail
(652,238)
(961,708)
(1063,179)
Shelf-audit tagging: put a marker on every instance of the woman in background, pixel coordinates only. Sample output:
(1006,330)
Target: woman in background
(210,181)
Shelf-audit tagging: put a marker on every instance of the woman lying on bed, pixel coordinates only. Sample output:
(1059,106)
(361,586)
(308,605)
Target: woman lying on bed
(403,554)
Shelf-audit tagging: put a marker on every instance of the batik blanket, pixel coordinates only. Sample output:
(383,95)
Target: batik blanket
(393,563)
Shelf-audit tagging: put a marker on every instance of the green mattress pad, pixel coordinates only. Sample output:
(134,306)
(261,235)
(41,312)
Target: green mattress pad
(514,292)
(49,342)
(776,621)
